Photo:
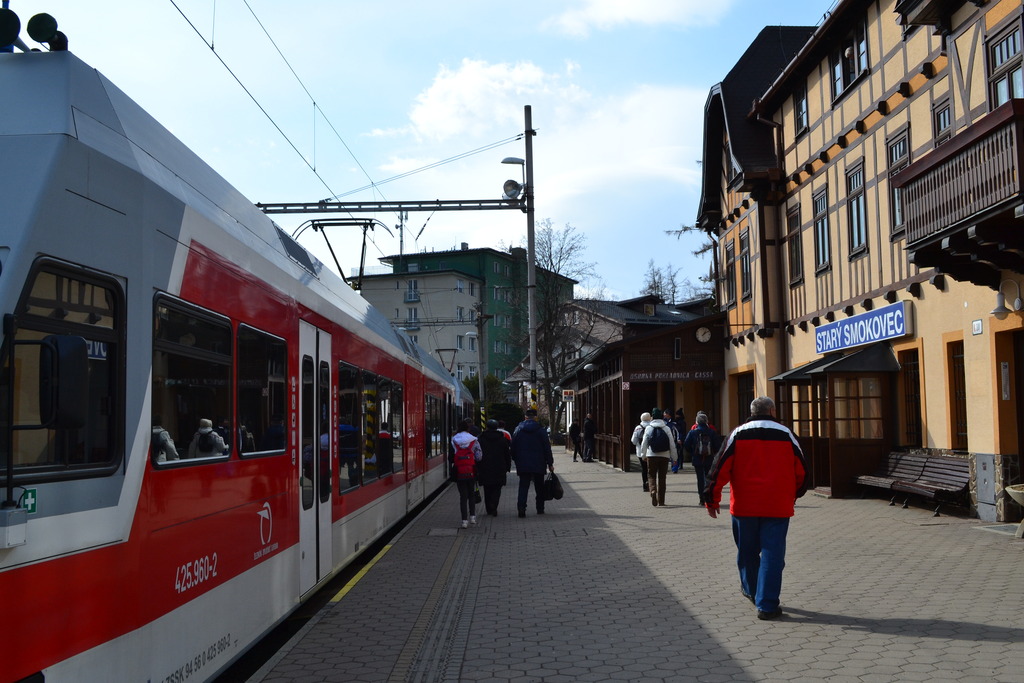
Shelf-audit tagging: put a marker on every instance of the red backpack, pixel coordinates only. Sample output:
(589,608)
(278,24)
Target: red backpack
(465,461)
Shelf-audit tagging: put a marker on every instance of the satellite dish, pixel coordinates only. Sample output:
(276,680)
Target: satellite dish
(512,190)
(10,27)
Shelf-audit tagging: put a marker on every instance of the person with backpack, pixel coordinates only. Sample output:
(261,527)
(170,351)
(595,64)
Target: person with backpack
(465,455)
(206,443)
(636,440)
(702,442)
(659,448)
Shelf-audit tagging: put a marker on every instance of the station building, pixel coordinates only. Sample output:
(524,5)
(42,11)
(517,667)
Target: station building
(867,206)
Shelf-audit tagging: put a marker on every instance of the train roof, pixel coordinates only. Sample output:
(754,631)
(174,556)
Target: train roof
(56,93)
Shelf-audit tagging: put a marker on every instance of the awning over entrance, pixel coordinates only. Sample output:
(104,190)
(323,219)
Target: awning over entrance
(875,358)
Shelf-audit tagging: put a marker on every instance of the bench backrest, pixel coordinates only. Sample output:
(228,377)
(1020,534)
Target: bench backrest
(905,466)
(955,472)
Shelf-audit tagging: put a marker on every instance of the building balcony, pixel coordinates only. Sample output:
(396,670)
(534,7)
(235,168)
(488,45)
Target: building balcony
(963,203)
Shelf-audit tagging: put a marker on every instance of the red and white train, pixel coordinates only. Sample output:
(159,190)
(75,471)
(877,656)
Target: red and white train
(145,302)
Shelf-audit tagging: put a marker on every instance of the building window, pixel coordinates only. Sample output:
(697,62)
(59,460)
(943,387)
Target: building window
(849,60)
(472,289)
(744,394)
(745,264)
(857,403)
(460,286)
(677,348)
(472,343)
(1006,79)
(497,267)
(796,254)
(412,315)
(822,238)
(899,159)
(800,118)
(856,210)
(459,344)
(730,274)
(460,313)
(942,123)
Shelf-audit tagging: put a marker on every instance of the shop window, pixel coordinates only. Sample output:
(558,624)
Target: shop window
(191,379)
(63,301)
(857,402)
(795,246)
(856,211)
(899,159)
(822,234)
(1006,79)
(957,395)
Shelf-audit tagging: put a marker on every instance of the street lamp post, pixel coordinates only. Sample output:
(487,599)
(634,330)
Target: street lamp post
(531,253)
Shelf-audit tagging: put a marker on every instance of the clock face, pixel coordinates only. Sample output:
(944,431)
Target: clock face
(703,334)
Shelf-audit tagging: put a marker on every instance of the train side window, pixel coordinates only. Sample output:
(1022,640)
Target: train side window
(434,426)
(191,384)
(385,449)
(395,420)
(371,426)
(350,419)
(59,300)
(262,392)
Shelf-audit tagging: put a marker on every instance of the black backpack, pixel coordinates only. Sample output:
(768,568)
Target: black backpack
(206,442)
(659,441)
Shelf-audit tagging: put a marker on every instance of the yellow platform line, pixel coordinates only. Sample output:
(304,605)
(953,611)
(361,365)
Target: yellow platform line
(359,575)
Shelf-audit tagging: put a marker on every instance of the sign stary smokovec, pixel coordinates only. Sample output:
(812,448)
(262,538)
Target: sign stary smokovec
(888,322)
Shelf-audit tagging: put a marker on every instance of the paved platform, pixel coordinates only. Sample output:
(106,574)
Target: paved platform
(606,587)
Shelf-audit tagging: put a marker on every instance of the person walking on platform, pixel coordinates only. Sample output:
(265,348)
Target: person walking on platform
(494,465)
(766,472)
(574,436)
(659,448)
(637,439)
(589,439)
(531,450)
(702,442)
(466,454)
(670,423)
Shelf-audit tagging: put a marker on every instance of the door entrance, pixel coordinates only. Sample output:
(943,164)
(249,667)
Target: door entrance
(317,443)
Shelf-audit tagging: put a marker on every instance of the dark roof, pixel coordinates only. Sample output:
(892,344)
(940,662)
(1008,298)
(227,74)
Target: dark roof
(631,311)
(730,103)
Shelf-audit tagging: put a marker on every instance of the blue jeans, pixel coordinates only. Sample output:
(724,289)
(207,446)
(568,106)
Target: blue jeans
(537,479)
(760,557)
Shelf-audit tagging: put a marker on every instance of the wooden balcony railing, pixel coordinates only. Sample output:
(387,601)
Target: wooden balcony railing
(974,174)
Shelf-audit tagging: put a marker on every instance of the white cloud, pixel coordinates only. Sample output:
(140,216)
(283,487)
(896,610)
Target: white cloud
(606,14)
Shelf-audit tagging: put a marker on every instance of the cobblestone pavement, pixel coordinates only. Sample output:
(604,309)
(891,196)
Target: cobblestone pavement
(606,587)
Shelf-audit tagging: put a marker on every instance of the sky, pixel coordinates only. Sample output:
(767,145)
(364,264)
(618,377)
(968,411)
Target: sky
(311,99)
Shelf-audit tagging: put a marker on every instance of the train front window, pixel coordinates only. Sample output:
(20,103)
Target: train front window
(62,301)
(191,384)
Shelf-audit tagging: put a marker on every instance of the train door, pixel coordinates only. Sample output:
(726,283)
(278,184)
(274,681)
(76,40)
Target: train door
(317,442)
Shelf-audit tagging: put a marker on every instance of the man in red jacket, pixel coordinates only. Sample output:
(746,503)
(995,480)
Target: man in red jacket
(765,469)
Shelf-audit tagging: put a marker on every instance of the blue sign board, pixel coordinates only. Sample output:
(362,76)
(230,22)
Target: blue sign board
(888,322)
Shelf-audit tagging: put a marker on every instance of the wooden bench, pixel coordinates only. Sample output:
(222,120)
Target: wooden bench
(935,477)
(896,467)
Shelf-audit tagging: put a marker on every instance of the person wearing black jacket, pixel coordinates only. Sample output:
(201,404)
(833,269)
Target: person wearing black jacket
(531,451)
(589,439)
(495,464)
(574,436)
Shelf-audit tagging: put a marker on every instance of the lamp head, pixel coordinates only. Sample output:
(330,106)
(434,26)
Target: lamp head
(511,190)
(513,160)
(1000,311)
(589,367)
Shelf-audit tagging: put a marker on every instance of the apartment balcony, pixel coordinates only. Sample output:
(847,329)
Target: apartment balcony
(963,203)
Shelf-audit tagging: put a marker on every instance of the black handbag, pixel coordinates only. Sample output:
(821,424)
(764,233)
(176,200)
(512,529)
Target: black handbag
(552,487)
(476,494)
